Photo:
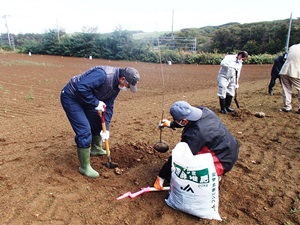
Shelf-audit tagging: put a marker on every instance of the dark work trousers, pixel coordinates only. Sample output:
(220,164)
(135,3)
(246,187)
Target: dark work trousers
(84,119)
(273,81)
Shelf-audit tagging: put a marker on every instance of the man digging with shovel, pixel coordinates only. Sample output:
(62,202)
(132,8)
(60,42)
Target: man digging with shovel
(87,96)
(228,79)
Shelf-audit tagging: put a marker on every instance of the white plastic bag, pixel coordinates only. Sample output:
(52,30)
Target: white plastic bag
(194,183)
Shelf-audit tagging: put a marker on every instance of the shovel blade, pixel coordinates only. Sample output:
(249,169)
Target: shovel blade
(110,165)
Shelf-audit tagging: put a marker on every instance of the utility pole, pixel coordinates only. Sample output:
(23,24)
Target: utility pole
(172,21)
(173,41)
(8,35)
(57,28)
(288,34)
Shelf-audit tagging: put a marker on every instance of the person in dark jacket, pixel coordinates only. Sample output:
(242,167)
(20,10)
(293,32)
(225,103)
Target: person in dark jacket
(86,94)
(278,63)
(204,132)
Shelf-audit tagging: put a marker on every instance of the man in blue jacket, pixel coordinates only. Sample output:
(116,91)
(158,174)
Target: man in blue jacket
(86,94)
(204,132)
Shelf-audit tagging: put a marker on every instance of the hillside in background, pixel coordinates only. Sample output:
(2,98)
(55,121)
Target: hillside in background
(257,38)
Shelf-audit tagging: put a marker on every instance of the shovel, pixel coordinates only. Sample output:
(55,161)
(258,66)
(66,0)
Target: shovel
(235,99)
(235,95)
(108,164)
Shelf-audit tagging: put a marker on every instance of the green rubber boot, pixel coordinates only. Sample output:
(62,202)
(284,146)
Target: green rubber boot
(97,149)
(85,166)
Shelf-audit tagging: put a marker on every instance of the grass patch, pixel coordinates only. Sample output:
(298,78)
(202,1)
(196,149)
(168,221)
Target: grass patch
(29,96)
(24,63)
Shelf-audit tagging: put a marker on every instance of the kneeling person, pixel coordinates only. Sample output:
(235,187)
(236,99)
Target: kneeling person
(204,132)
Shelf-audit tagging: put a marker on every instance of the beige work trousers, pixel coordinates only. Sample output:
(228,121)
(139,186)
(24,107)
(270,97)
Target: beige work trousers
(287,86)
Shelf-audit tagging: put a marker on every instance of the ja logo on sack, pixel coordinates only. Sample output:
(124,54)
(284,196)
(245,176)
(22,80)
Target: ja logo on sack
(187,188)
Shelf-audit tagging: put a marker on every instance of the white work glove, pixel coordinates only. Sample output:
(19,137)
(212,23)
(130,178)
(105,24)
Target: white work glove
(104,136)
(159,183)
(164,123)
(100,106)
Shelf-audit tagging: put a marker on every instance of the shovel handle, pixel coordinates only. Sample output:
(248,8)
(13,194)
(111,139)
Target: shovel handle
(102,115)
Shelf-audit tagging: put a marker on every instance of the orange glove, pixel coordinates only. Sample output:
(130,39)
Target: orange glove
(159,183)
(164,123)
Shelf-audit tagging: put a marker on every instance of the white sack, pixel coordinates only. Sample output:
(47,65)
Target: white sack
(194,183)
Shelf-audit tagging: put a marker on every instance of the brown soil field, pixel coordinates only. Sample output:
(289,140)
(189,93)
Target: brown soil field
(39,178)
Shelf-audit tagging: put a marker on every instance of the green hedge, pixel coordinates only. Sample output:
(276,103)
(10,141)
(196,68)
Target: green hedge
(204,58)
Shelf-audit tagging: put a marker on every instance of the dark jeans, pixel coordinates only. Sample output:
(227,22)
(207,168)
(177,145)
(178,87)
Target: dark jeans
(84,120)
(273,81)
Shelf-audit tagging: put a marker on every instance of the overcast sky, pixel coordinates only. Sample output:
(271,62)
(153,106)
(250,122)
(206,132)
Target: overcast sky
(38,16)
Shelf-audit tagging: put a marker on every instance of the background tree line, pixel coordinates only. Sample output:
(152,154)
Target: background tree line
(264,41)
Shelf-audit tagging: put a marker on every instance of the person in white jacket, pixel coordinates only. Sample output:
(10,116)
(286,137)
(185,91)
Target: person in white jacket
(290,76)
(228,79)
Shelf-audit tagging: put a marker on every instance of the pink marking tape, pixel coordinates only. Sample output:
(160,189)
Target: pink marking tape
(143,190)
